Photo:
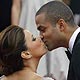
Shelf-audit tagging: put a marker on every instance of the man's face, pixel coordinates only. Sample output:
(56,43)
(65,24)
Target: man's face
(49,34)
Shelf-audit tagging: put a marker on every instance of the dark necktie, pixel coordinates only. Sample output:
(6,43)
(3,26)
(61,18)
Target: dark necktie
(69,55)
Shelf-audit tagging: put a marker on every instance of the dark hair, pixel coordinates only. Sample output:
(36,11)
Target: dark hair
(55,10)
(12,43)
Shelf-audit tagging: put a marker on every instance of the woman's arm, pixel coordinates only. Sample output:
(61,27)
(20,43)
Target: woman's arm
(15,12)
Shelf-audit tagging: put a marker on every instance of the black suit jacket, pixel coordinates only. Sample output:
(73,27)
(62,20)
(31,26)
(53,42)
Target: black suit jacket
(74,67)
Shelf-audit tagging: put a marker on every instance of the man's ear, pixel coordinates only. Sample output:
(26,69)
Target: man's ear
(61,24)
(26,54)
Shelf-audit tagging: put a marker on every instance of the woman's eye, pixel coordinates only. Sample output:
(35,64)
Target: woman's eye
(33,39)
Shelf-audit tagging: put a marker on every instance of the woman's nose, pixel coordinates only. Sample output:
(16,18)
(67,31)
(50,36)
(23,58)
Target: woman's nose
(39,38)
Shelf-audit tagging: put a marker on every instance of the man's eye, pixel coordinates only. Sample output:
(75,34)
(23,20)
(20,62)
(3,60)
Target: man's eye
(42,30)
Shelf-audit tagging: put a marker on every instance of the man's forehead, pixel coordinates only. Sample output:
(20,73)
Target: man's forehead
(40,17)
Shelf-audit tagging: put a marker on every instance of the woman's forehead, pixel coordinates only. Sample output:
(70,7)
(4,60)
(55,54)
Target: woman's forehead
(27,32)
(28,35)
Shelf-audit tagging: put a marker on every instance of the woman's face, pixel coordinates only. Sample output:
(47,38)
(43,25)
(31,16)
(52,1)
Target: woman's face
(35,45)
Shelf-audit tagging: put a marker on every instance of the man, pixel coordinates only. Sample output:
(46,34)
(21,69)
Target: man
(55,22)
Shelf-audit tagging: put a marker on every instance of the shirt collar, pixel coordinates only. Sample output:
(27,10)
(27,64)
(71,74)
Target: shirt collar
(73,38)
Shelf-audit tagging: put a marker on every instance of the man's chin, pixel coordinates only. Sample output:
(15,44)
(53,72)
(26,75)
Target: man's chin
(50,48)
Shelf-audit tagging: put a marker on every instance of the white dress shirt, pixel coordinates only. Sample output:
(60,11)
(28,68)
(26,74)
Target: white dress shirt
(73,38)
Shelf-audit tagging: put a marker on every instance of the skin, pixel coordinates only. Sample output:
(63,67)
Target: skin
(56,35)
(35,45)
(15,12)
(31,57)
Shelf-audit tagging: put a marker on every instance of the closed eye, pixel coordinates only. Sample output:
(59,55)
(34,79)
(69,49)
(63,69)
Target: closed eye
(33,38)
(42,29)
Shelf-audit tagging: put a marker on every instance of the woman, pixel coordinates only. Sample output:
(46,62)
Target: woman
(20,53)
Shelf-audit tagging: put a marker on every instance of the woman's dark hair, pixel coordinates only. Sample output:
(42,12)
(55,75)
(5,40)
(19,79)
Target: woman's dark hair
(12,43)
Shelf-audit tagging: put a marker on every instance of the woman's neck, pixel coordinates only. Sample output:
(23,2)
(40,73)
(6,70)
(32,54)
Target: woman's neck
(28,72)
(32,64)
(25,74)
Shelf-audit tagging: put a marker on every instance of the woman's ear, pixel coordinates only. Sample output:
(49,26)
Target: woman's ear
(26,54)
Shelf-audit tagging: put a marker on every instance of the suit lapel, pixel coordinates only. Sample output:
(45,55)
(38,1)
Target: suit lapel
(69,55)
